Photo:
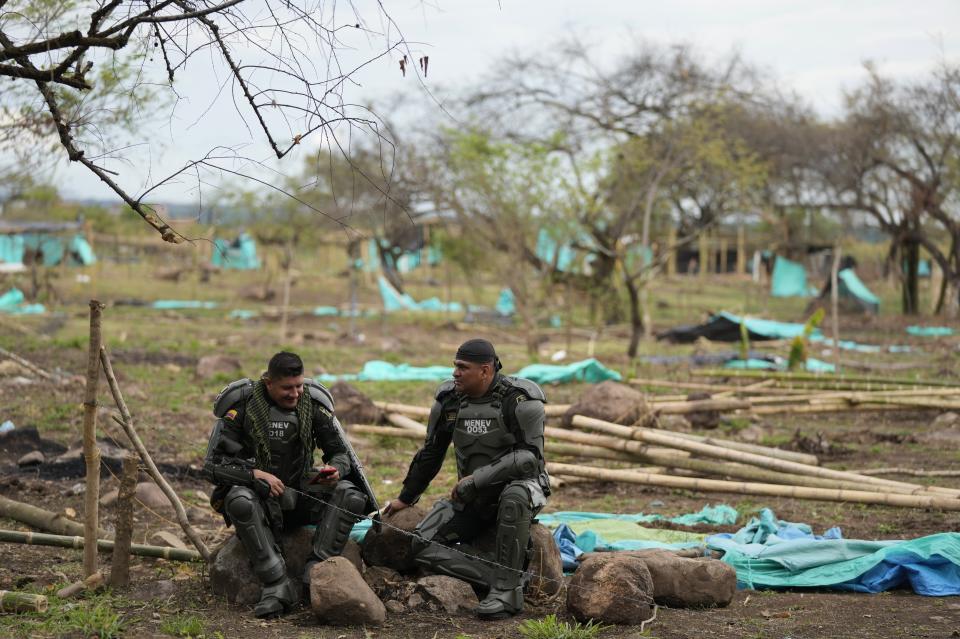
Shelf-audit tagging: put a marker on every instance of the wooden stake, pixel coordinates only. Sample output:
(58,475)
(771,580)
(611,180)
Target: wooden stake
(834,307)
(749,488)
(91,454)
(11,601)
(120,565)
(126,422)
(752,459)
(62,541)
(700,405)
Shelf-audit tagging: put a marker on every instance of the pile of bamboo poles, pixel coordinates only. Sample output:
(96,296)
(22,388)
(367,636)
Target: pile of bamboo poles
(684,460)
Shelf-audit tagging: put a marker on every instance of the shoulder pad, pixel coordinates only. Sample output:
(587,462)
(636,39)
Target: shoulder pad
(318,393)
(444,389)
(232,393)
(531,389)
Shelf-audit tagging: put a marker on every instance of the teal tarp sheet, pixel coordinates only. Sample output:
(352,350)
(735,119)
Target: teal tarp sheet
(768,553)
(812,365)
(588,370)
(768,328)
(240,254)
(506,304)
(77,250)
(11,249)
(12,303)
(181,304)
(850,285)
(393,300)
(789,279)
(930,331)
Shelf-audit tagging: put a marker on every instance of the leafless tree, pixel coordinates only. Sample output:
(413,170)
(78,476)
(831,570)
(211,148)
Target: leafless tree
(75,73)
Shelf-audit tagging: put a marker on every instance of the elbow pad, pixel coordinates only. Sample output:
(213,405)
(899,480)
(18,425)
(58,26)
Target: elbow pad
(519,464)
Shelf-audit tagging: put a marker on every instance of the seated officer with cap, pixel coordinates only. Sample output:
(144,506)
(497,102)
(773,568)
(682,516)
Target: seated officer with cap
(496,425)
(261,455)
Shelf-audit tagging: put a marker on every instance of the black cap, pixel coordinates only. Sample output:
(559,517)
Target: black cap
(478,350)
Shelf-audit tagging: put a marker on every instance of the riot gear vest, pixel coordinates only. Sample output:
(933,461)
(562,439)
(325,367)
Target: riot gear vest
(480,435)
(286,450)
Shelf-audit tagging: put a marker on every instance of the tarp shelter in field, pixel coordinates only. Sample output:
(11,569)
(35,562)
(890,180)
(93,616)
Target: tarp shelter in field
(852,291)
(240,254)
(49,244)
(725,327)
(789,279)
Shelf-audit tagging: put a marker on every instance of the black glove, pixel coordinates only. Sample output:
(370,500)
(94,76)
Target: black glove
(261,488)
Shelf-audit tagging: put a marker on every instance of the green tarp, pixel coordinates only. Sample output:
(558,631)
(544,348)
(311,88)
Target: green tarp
(394,300)
(930,331)
(589,370)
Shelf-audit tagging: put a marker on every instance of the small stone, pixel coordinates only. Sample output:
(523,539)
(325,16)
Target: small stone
(167,538)
(33,458)
(150,495)
(394,606)
(76,489)
(415,601)
(109,498)
(453,595)
(196,514)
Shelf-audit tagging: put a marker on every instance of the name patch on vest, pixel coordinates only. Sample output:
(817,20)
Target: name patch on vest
(477,426)
(280,430)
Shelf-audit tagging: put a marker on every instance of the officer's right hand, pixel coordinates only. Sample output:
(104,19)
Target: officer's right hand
(394,506)
(276,486)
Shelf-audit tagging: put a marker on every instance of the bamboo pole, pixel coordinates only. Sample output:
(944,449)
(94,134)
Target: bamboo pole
(120,563)
(385,431)
(915,472)
(661,457)
(40,518)
(91,454)
(699,405)
(803,458)
(712,388)
(63,541)
(835,307)
(816,377)
(555,410)
(752,488)
(92,582)
(839,407)
(30,366)
(126,422)
(752,459)
(406,409)
(402,421)
(12,601)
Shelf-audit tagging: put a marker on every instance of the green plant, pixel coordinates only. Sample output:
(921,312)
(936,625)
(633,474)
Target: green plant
(551,628)
(744,341)
(798,346)
(98,620)
(183,626)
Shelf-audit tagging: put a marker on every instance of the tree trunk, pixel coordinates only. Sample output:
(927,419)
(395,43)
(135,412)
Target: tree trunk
(636,317)
(910,265)
(91,453)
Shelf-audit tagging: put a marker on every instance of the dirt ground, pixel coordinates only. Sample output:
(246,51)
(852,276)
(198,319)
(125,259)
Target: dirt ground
(154,354)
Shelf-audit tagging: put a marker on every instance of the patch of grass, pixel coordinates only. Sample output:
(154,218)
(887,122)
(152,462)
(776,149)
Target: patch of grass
(551,628)
(97,616)
(182,625)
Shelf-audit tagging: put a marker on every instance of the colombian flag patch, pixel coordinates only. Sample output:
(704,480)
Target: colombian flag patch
(231,414)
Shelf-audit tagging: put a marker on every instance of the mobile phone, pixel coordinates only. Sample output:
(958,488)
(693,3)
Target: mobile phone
(324,473)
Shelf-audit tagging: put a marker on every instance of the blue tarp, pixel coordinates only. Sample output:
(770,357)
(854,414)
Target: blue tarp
(779,364)
(930,331)
(789,279)
(506,304)
(589,370)
(393,300)
(181,304)
(12,303)
(851,286)
(240,254)
(768,553)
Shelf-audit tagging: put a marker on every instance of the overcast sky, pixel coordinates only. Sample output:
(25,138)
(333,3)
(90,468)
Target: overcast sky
(815,47)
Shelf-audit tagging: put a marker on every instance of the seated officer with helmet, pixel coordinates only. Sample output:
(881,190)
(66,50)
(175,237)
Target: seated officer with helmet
(496,425)
(262,446)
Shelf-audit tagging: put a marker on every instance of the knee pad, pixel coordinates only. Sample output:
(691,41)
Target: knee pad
(514,504)
(241,504)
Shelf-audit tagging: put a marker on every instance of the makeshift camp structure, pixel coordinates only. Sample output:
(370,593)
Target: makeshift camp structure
(789,279)
(49,244)
(240,254)
(853,293)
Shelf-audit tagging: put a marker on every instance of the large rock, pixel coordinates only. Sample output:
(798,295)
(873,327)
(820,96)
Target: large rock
(211,365)
(390,547)
(232,577)
(450,594)
(352,552)
(151,496)
(339,595)
(546,565)
(681,582)
(609,401)
(353,407)
(611,588)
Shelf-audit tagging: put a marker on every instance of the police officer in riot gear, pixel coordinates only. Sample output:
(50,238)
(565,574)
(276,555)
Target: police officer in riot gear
(262,444)
(496,425)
